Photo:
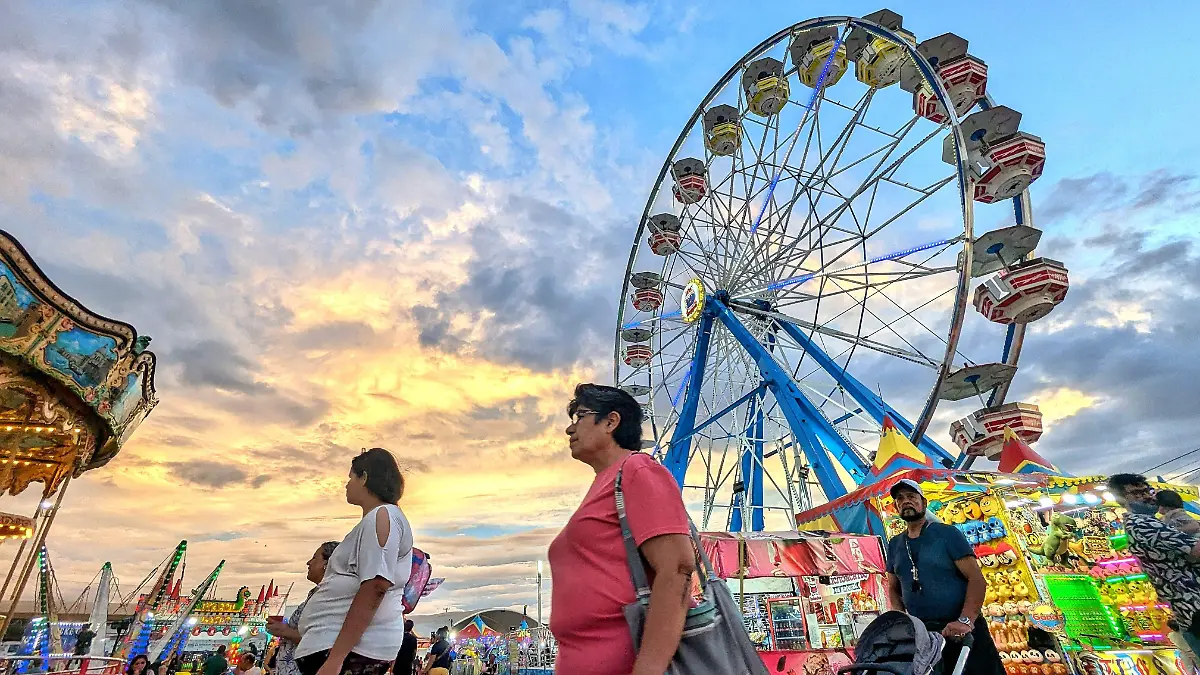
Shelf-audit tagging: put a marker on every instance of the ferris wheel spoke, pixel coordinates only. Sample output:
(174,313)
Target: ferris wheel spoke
(890,325)
(872,180)
(915,355)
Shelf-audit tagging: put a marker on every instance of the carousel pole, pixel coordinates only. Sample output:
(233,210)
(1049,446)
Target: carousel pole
(38,513)
(40,538)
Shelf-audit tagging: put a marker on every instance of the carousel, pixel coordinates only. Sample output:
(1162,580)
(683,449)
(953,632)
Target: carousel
(74,386)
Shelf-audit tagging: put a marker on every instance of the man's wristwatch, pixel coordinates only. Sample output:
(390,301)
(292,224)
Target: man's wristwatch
(966,621)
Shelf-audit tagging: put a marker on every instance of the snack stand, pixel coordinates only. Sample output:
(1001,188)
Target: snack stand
(805,597)
(1063,595)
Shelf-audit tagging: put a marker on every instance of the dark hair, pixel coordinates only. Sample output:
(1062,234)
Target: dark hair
(129,668)
(605,400)
(1120,482)
(246,655)
(220,649)
(327,549)
(1172,624)
(383,474)
(1168,499)
(408,625)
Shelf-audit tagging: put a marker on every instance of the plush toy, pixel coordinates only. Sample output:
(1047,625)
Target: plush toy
(987,557)
(990,505)
(972,511)
(953,513)
(1058,537)
(1005,554)
(996,529)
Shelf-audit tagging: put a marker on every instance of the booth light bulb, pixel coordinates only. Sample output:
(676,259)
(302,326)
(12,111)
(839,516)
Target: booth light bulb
(1046,502)
(1091,498)
(46,503)
(1109,497)
(1070,497)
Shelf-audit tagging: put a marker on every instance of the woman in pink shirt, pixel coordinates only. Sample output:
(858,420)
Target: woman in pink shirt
(592,582)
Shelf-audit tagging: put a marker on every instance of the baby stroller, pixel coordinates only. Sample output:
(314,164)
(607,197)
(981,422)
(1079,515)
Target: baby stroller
(899,644)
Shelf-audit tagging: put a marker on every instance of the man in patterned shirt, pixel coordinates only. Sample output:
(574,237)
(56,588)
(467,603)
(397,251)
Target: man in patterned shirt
(1169,557)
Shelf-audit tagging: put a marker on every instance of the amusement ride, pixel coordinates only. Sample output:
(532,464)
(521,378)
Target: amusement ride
(810,243)
(74,386)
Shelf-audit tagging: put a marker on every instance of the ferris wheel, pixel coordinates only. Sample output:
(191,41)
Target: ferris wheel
(805,264)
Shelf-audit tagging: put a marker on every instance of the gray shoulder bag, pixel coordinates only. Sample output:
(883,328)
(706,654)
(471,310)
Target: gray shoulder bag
(714,641)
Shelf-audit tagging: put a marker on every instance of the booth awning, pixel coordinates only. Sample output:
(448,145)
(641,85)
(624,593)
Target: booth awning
(791,554)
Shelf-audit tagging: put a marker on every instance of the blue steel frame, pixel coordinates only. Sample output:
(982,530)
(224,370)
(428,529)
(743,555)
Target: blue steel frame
(680,450)
(867,400)
(821,442)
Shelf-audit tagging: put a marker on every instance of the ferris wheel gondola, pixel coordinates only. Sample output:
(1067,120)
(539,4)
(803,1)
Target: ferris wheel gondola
(810,242)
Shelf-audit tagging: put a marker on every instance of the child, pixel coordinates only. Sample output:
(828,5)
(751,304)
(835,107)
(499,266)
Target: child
(1170,509)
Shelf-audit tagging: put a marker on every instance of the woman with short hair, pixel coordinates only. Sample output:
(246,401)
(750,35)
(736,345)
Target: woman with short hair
(588,563)
(354,623)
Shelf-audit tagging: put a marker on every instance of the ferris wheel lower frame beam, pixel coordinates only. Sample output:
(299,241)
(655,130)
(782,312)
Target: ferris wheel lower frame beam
(752,472)
(869,401)
(680,449)
(821,442)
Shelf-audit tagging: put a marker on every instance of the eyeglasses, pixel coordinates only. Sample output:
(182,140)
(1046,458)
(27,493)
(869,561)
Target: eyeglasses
(579,414)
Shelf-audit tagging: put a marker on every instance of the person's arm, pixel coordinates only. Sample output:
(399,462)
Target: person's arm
(895,593)
(672,558)
(976,586)
(366,601)
(1153,534)
(283,631)
(659,524)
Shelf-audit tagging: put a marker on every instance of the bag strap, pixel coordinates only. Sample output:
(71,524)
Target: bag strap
(641,581)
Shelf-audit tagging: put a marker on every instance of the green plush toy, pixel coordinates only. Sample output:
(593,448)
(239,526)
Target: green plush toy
(1058,536)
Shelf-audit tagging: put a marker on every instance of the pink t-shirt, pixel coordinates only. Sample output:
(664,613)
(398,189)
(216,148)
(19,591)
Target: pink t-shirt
(591,575)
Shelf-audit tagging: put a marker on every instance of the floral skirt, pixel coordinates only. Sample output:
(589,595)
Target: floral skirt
(353,665)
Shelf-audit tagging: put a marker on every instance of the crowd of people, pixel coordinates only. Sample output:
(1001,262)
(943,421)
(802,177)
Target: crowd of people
(352,622)
(932,571)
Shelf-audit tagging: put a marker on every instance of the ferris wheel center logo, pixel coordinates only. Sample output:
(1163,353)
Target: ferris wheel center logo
(693,300)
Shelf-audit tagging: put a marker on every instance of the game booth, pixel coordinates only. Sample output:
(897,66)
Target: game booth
(1063,593)
(805,597)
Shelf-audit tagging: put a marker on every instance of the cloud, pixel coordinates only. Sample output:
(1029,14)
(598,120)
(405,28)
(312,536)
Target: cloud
(214,475)
(1120,353)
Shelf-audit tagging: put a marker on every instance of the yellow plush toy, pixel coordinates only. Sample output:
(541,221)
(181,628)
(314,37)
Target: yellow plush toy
(953,513)
(971,511)
(990,506)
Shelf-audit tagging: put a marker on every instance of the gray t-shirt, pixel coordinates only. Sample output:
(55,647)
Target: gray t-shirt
(934,552)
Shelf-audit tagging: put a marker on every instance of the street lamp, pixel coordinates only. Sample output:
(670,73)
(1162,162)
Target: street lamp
(539,584)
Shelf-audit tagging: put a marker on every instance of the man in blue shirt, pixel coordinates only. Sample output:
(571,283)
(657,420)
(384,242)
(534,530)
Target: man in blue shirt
(934,576)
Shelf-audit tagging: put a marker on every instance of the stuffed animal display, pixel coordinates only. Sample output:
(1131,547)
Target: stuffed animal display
(978,519)
(1058,538)
(1009,625)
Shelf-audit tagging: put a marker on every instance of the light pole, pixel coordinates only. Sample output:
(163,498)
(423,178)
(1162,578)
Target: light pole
(539,584)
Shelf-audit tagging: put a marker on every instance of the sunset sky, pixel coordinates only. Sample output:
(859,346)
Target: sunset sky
(350,223)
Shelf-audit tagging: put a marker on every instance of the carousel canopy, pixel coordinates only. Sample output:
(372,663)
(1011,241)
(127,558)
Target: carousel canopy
(73,384)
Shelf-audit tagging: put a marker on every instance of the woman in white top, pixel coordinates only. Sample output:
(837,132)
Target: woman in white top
(354,623)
